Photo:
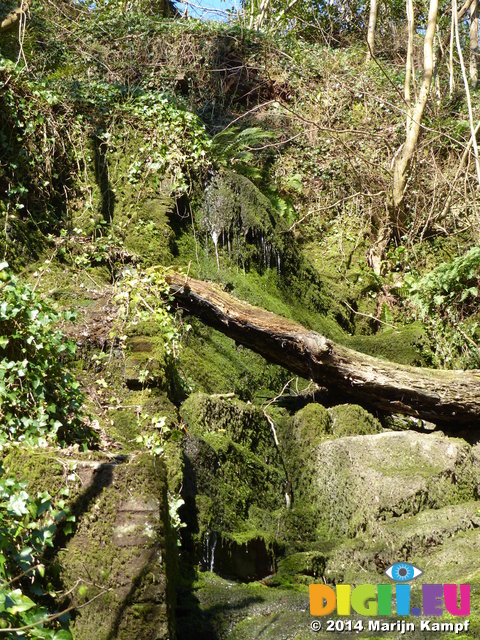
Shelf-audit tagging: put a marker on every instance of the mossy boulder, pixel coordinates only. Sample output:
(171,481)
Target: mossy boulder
(311,425)
(360,479)
(351,419)
(315,423)
(148,234)
(145,363)
(403,538)
(223,482)
(304,567)
(234,483)
(244,423)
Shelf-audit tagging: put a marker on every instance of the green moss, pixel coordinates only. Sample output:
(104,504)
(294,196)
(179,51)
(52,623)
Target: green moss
(297,293)
(299,569)
(212,363)
(122,549)
(244,423)
(396,345)
(351,419)
(147,230)
(311,425)
(234,480)
(238,480)
(35,466)
(134,416)
(145,362)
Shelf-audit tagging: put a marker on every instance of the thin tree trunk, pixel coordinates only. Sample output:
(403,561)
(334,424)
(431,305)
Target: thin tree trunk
(403,160)
(467,93)
(474,43)
(286,10)
(444,397)
(260,19)
(451,78)
(372,25)
(252,14)
(409,62)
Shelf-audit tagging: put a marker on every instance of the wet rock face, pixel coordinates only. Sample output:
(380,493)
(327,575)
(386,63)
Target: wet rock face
(244,561)
(363,498)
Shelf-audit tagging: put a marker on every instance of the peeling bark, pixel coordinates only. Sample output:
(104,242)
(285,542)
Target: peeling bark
(443,397)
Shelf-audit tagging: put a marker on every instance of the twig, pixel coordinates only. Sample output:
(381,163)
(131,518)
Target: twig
(269,420)
(368,315)
(243,115)
(332,206)
(54,616)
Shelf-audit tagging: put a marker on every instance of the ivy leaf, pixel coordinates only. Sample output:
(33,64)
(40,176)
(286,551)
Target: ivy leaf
(17,602)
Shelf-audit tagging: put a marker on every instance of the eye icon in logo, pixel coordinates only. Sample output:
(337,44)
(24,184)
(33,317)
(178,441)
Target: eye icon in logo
(403,572)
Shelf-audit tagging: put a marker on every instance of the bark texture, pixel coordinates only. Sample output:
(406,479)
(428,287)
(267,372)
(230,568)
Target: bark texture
(372,25)
(474,43)
(444,397)
(11,19)
(403,160)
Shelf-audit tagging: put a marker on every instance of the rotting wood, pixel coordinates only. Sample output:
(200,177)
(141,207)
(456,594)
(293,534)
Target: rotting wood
(440,396)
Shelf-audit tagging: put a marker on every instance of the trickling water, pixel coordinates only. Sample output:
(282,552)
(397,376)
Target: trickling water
(215,235)
(212,555)
(206,549)
(279,270)
(210,543)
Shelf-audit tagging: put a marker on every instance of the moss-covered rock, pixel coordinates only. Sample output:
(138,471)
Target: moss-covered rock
(234,484)
(210,362)
(244,423)
(407,538)
(360,479)
(145,363)
(225,488)
(123,551)
(351,419)
(311,425)
(304,567)
(148,234)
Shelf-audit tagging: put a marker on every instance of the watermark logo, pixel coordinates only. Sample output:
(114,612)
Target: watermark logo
(377,600)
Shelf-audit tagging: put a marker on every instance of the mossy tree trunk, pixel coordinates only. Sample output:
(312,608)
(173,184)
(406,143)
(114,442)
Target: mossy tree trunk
(444,397)
(12,18)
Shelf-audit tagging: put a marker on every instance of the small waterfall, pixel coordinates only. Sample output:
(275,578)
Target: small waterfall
(215,236)
(212,554)
(210,544)
(206,548)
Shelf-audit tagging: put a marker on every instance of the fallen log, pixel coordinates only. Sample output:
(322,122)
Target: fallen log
(440,396)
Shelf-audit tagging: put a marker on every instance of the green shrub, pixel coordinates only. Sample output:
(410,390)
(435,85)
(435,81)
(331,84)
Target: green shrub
(446,300)
(39,399)
(27,527)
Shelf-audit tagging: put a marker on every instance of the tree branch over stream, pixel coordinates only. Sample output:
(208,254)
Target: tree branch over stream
(443,397)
